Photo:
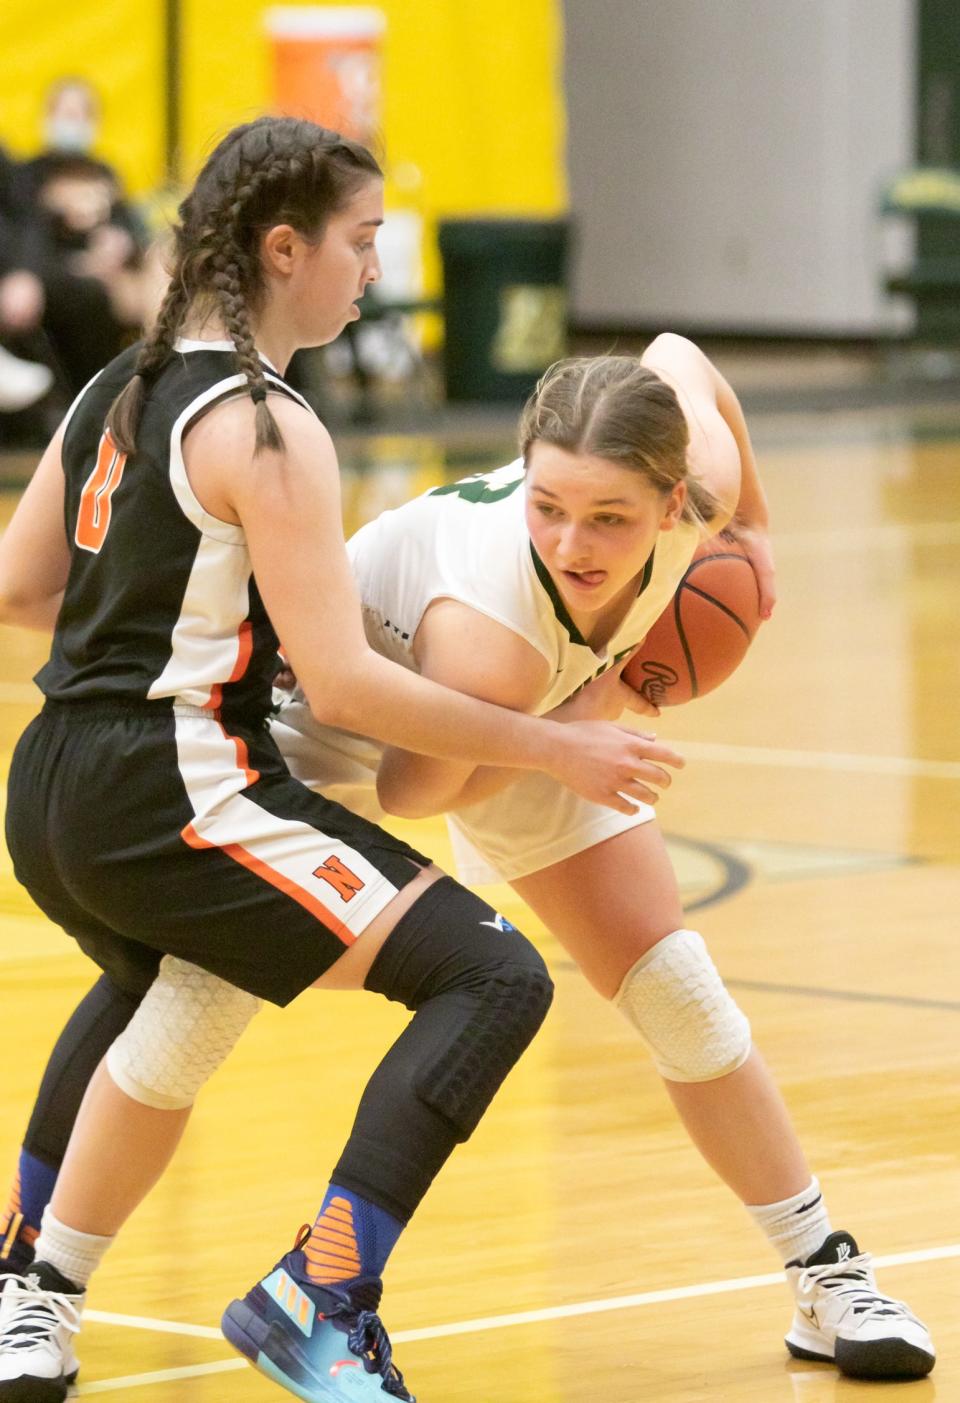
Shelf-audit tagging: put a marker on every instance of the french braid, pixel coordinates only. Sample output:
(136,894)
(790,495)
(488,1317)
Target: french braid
(276,170)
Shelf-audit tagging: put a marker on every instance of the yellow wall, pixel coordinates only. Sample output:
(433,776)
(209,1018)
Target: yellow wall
(472,89)
(472,94)
(118,45)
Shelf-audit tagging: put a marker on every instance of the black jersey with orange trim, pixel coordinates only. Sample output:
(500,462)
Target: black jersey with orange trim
(160,603)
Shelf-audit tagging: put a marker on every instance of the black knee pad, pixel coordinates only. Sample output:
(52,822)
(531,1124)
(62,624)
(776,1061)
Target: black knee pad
(485,987)
(464,1076)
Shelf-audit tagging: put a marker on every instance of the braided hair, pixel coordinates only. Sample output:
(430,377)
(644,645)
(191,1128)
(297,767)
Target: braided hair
(275,170)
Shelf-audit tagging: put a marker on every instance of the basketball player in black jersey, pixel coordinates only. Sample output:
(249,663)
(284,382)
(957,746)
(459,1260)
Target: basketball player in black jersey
(174,527)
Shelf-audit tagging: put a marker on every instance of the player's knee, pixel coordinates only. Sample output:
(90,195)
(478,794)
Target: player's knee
(510,1000)
(187,1023)
(677,1001)
(481,991)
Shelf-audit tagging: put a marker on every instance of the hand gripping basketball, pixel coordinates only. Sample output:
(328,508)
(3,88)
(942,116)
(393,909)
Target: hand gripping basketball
(703,634)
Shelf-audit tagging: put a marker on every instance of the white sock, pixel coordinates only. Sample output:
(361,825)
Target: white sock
(76,1254)
(796,1226)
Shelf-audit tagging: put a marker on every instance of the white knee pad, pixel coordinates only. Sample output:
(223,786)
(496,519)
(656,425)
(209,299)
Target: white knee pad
(676,999)
(188,1022)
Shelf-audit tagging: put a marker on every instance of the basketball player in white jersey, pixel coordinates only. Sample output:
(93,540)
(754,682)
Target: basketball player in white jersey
(529,587)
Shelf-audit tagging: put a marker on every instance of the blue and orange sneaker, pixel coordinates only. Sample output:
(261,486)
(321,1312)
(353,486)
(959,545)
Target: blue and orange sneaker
(321,1344)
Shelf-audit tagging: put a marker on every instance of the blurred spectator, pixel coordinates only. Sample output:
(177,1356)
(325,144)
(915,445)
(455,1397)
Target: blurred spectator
(22,382)
(100,274)
(79,278)
(93,235)
(70,128)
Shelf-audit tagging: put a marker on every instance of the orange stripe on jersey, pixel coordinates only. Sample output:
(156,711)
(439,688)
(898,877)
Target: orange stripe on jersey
(244,651)
(243,758)
(276,879)
(325,1256)
(240,746)
(244,654)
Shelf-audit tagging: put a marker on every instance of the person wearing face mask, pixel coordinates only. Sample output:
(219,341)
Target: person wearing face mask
(72,116)
(96,271)
(71,126)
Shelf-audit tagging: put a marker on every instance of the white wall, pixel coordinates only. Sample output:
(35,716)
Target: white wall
(725,159)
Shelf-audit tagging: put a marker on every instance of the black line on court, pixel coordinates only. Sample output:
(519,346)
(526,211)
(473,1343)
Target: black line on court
(855,996)
(809,991)
(736,873)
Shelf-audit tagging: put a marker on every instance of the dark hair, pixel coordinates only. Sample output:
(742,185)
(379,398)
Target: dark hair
(75,165)
(276,170)
(614,407)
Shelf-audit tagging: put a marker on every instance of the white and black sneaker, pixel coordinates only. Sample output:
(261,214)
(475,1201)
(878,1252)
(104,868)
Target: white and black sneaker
(39,1316)
(840,1316)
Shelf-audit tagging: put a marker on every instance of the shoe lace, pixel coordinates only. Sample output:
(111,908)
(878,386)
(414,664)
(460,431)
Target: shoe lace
(852,1281)
(30,1320)
(369,1341)
(367,1337)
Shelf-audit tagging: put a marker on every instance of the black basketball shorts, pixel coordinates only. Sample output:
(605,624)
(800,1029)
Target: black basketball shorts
(145,830)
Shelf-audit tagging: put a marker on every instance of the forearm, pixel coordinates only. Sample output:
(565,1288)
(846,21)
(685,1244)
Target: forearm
(377,698)
(751,517)
(488,780)
(752,502)
(418,786)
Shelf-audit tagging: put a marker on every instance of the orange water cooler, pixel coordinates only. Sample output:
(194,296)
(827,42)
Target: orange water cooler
(327,62)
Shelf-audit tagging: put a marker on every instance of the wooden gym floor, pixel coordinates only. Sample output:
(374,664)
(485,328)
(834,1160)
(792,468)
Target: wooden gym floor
(577,1248)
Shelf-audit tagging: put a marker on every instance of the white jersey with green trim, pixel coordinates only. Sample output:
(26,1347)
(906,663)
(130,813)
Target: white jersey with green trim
(469,542)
